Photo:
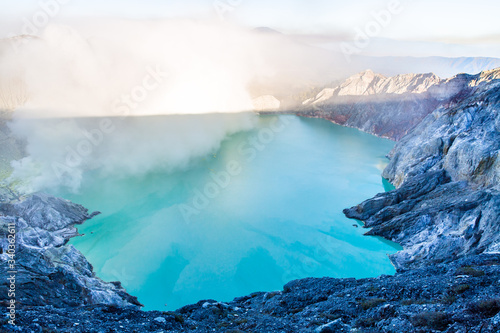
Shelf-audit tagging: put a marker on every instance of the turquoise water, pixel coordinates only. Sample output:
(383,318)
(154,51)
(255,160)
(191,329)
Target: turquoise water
(263,210)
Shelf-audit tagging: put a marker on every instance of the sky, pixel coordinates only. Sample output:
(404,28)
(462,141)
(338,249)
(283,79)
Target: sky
(474,25)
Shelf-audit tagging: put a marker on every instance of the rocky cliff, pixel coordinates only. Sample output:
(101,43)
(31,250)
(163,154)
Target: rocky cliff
(447,171)
(387,107)
(462,138)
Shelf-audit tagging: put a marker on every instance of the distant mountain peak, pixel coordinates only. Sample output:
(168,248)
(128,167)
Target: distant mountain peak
(365,72)
(368,82)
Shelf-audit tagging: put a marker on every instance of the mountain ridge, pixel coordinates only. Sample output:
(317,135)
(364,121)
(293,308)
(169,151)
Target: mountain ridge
(390,107)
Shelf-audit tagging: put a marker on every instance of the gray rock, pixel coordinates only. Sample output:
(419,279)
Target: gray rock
(447,204)
(50,272)
(462,138)
(416,300)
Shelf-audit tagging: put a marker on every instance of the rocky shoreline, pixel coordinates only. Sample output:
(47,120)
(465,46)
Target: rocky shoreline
(48,271)
(445,213)
(59,293)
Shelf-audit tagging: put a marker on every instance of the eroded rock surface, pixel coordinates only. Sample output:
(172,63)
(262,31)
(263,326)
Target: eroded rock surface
(50,272)
(447,170)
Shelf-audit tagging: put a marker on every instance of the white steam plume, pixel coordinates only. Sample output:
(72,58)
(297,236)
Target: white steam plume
(61,150)
(77,76)
(74,79)
(183,66)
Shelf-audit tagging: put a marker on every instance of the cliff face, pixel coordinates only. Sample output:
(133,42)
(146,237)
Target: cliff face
(447,172)
(387,107)
(463,139)
(50,272)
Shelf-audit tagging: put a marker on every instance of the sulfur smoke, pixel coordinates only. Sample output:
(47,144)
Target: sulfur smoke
(81,96)
(149,67)
(60,151)
(131,97)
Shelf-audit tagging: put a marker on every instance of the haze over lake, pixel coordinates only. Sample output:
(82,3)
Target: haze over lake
(264,209)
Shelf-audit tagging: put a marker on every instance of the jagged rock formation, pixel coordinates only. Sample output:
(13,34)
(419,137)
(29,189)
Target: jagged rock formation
(49,272)
(463,138)
(447,171)
(434,219)
(369,83)
(387,107)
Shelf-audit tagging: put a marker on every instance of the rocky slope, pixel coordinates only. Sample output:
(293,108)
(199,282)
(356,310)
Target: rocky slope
(434,219)
(447,171)
(50,272)
(387,107)
(370,83)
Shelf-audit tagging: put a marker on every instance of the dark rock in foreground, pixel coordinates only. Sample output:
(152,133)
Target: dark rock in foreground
(463,296)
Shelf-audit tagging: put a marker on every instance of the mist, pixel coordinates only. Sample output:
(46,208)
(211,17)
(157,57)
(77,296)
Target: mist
(130,97)
(165,67)
(60,151)
(151,68)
